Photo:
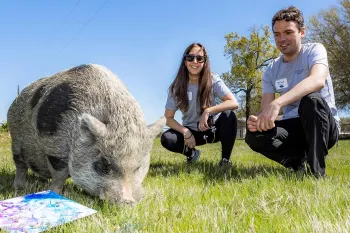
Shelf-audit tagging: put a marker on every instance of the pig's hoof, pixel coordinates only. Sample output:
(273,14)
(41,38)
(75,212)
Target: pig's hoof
(18,185)
(56,189)
(43,180)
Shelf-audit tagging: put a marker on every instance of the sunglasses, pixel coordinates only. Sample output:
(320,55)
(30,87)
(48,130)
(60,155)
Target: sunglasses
(190,58)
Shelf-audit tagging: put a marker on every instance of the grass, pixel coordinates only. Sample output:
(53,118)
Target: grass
(254,195)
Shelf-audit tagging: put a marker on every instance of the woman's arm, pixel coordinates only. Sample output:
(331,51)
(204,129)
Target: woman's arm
(229,102)
(172,123)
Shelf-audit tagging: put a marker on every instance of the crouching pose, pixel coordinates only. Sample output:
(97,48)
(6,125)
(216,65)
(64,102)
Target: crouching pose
(193,92)
(310,122)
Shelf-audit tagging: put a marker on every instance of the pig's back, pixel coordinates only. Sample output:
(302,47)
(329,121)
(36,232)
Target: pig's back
(43,119)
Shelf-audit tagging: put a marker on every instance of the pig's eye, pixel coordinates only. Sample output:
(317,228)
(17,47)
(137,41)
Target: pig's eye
(136,169)
(102,166)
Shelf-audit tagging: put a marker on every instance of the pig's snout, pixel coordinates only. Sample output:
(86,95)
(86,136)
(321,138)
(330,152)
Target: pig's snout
(127,196)
(122,194)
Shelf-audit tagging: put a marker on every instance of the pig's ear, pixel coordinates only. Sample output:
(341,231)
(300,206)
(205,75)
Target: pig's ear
(91,126)
(156,128)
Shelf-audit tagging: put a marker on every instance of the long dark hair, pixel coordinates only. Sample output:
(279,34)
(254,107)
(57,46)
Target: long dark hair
(178,88)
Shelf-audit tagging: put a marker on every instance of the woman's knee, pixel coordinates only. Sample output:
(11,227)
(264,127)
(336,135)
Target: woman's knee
(228,117)
(167,139)
(229,114)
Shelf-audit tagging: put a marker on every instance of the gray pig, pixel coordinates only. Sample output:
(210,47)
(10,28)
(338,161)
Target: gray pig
(82,123)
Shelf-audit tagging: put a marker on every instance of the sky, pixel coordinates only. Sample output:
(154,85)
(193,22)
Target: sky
(140,41)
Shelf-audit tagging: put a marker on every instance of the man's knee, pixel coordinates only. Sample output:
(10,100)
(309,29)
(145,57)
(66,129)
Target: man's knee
(254,141)
(310,101)
(311,104)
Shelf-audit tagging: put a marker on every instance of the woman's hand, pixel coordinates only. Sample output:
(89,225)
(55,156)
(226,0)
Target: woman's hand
(190,141)
(203,123)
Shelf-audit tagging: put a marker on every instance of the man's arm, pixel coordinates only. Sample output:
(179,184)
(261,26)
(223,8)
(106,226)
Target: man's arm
(314,82)
(267,98)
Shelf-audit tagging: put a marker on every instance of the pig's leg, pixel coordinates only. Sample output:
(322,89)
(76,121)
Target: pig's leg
(21,167)
(59,172)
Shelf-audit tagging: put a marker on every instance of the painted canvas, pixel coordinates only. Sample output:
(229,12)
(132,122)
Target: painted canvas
(39,211)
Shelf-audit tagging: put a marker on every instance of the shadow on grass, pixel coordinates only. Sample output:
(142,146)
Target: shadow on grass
(33,184)
(212,172)
(36,184)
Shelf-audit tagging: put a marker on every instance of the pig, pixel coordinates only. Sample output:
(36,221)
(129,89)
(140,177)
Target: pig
(82,123)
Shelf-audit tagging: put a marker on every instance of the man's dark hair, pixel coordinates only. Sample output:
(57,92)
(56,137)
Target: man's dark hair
(289,14)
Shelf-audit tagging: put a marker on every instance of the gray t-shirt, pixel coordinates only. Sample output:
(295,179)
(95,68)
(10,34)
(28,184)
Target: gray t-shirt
(280,77)
(191,117)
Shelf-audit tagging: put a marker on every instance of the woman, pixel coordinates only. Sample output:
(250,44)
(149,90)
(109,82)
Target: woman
(193,92)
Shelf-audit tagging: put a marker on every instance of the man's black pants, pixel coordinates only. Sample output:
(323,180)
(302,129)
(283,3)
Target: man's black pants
(306,138)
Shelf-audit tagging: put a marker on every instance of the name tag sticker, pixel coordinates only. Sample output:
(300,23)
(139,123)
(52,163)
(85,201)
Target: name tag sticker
(281,83)
(189,95)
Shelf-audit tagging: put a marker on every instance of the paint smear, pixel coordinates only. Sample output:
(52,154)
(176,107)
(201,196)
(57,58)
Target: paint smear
(39,211)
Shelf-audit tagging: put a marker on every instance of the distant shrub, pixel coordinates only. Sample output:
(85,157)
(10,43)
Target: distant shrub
(4,127)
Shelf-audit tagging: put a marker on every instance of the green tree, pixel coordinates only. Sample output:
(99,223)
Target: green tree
(249,59)
(332,28)
(4,127)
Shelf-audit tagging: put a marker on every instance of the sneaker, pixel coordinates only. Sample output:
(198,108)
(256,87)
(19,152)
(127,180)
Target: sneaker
(194,157)
(224,162)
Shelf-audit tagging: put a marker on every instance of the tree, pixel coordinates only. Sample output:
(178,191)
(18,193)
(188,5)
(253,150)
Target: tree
(345,124)
(332,29)
(4,127)
(249,59)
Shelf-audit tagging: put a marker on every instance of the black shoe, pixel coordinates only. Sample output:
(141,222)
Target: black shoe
(194,157)
(304,169)
(224,162)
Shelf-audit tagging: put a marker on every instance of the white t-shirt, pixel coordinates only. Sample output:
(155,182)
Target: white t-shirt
(192,116)
(280,77)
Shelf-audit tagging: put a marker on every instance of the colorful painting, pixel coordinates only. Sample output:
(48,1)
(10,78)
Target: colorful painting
(39,211)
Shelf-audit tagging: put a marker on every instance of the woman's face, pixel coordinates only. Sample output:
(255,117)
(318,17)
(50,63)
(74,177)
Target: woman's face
(194,60)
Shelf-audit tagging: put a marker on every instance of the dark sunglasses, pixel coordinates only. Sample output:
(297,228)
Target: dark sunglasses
(190,58)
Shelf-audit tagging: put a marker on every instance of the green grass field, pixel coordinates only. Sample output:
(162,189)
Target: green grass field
(254,195)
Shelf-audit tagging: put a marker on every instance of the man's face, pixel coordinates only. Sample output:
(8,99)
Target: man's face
(288,38)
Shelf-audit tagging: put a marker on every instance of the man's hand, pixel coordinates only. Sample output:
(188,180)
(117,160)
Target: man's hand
(251,123)
(266,119)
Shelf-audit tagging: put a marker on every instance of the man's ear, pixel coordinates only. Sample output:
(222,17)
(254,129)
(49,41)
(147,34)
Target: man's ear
(302,31)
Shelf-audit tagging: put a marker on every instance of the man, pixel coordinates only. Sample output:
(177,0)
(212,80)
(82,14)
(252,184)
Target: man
(310,125)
